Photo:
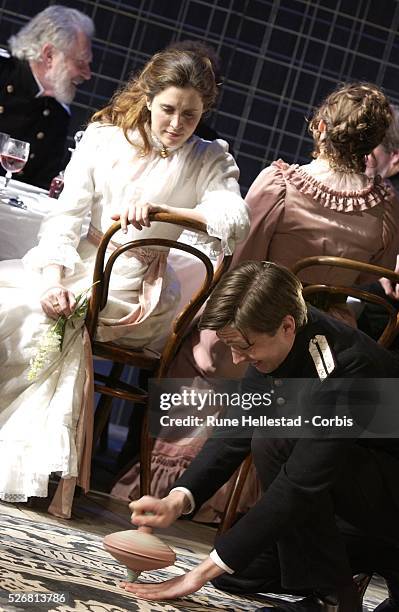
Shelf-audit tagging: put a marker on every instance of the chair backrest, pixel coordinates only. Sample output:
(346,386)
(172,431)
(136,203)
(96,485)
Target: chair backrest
(102,274)
(391,329)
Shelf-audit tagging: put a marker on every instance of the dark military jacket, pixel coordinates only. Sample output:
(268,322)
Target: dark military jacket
(41,121)
(347,358)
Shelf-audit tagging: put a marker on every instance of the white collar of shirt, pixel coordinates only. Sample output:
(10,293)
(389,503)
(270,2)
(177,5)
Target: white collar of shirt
(40,88)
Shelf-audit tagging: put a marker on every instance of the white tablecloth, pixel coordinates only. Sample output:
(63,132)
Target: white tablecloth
(19,227)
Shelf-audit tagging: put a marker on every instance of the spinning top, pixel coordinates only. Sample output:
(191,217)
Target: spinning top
(138,550)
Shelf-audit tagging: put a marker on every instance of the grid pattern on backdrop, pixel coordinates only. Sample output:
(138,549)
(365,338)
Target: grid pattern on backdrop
(279,59)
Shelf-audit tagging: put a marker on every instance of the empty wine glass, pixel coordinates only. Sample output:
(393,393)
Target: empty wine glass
(13,156)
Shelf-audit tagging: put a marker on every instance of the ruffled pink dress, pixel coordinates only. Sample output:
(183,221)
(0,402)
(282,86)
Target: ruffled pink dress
(296,211)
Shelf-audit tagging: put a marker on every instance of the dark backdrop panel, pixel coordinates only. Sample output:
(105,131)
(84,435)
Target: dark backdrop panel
(279,59)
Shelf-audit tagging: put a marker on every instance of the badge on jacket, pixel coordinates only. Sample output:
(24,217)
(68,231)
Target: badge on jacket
(322,356)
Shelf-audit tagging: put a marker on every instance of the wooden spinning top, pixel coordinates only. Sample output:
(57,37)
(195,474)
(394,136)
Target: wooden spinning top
(138,550)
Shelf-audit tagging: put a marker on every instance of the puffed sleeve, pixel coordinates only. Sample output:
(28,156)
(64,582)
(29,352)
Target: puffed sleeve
(60,232)
(265,200)
(219,198)
(386,256)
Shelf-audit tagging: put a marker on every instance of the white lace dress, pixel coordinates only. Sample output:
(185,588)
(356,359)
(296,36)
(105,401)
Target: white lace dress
(38,419)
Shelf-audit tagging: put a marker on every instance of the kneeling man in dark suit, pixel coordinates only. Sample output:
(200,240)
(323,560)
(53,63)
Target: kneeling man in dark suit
(330,499)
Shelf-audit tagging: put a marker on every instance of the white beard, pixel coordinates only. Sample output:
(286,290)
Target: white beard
(64,89)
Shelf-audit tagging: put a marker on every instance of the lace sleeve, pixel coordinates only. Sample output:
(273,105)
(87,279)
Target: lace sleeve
(60,232)
(220,201)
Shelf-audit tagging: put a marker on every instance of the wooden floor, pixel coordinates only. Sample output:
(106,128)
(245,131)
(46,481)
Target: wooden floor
(100,514)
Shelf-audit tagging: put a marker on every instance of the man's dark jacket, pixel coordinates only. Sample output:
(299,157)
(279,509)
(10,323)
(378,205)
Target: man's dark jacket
(315,463)
(41,121)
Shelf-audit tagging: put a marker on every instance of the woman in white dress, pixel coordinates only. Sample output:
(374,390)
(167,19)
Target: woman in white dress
(138,155)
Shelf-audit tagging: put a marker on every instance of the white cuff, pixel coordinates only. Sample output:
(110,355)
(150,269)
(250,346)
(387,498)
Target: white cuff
(216,559)
(189,496)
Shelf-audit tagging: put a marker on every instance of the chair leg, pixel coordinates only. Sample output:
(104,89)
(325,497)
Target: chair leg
(131,447)
(104,405)
(103,443)
(146,445)
(230,510)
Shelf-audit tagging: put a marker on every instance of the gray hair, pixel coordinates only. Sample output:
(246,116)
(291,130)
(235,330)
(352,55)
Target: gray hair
(391,138)
(57,24)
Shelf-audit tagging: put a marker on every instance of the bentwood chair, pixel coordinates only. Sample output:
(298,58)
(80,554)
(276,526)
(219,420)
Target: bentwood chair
(110,386)
(327,294)
(331,292)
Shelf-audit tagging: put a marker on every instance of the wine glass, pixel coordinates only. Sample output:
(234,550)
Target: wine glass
(3,139)
(13,156)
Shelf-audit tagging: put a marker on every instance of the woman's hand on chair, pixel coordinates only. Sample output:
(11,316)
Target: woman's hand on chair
(138,215)
(58,301)
(153,512)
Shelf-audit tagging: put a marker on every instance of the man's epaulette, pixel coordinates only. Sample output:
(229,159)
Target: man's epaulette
(4,53)
(322,356)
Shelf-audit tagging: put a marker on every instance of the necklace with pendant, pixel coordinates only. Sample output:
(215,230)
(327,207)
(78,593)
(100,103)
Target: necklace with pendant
(164,152)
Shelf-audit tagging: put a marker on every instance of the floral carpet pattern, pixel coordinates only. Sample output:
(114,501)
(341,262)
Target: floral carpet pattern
(63,570)
(41,558)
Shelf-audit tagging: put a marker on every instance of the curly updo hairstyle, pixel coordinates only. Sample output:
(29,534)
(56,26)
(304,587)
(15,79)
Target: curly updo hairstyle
(356,117)
(169,68)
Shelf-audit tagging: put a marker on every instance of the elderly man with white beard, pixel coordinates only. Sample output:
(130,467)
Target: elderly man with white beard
(47,59)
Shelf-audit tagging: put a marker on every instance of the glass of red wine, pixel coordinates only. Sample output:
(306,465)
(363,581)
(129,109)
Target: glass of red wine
(3,139)
(13,156)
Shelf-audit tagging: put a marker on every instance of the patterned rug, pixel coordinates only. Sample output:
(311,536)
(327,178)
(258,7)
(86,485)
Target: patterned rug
(48,567)
(40,558)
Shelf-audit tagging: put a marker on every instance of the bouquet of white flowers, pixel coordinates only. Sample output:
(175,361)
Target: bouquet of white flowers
(53,339)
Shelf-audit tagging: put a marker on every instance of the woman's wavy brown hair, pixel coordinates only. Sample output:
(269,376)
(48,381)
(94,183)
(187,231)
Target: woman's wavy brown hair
(169,68)
(356,116)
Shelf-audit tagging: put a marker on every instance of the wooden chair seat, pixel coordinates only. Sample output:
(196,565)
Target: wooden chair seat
(141,358)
